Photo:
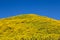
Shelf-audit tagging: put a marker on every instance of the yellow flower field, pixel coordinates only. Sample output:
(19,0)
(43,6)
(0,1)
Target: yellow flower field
(29,27)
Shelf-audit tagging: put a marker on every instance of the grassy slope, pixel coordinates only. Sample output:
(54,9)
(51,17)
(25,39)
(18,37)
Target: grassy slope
(29,27)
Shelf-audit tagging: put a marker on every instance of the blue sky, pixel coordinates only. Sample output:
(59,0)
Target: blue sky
(50,8)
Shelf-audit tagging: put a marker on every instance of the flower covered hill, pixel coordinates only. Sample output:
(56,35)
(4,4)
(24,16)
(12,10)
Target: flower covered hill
(29,27)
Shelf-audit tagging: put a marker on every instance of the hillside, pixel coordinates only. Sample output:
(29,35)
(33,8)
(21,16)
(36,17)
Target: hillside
(29,27)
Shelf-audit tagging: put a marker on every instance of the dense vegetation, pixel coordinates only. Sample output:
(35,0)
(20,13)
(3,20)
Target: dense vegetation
(29,27)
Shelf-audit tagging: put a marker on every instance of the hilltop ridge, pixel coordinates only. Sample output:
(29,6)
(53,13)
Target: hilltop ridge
(28,15)
(29,27)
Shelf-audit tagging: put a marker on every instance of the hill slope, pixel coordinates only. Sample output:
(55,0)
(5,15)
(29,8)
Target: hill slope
(29,27)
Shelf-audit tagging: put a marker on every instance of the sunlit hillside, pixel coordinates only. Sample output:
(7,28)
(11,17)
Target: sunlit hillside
(29,27)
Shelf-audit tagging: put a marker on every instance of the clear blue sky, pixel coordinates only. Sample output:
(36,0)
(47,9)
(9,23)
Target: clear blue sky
(50,8)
